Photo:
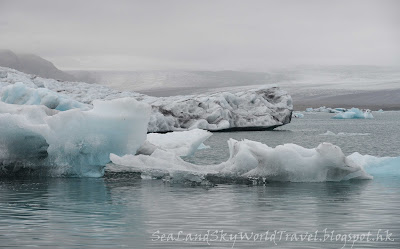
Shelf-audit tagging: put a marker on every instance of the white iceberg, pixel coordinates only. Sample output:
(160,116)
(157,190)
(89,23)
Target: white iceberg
(181,143)
(256,109)
(250,160)
(263,108)
(72,142)
(354,113)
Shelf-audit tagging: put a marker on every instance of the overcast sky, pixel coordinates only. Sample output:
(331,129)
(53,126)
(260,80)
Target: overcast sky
(202,34)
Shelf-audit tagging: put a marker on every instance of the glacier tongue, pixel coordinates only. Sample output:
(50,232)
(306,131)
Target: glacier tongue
(262,108)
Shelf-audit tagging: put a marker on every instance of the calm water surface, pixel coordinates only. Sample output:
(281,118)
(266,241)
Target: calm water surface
(125,211)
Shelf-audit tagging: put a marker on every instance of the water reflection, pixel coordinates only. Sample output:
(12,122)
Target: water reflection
(126,211)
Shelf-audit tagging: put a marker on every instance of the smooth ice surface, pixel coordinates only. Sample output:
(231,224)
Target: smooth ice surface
(72,142)
(181,143)
(354,113)
(260,107)
(249,159)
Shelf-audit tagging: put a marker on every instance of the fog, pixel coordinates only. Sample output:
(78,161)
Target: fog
(202,35)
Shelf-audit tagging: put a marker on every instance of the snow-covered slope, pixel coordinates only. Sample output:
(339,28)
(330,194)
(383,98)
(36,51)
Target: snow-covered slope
(262,108)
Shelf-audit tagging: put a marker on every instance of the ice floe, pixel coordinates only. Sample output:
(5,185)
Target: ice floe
(354,113)
(249,160)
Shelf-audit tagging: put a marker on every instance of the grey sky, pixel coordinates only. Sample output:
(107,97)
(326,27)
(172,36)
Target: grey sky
(202,34)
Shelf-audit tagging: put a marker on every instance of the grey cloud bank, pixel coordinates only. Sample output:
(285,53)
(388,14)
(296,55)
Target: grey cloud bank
(202,35)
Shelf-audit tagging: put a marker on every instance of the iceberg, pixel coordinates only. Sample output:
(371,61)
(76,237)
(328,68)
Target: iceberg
(309,109)
(249,160)
(181,143)
(72,142)
(297,115)
(255,109)
(354,113)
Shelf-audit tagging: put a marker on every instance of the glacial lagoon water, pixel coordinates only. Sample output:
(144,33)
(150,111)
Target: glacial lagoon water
(124,211)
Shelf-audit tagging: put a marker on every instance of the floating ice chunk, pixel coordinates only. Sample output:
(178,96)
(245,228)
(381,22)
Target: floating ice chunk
(354,113)
(181,143)
(328,133)
(309,109)
(23,95)
(72,142)
(202,146)
(249,159)
(326,109)
(343,134)
(87,138)
(297,115)
(256,108)
(160,165)
(291,162)
(380,111)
